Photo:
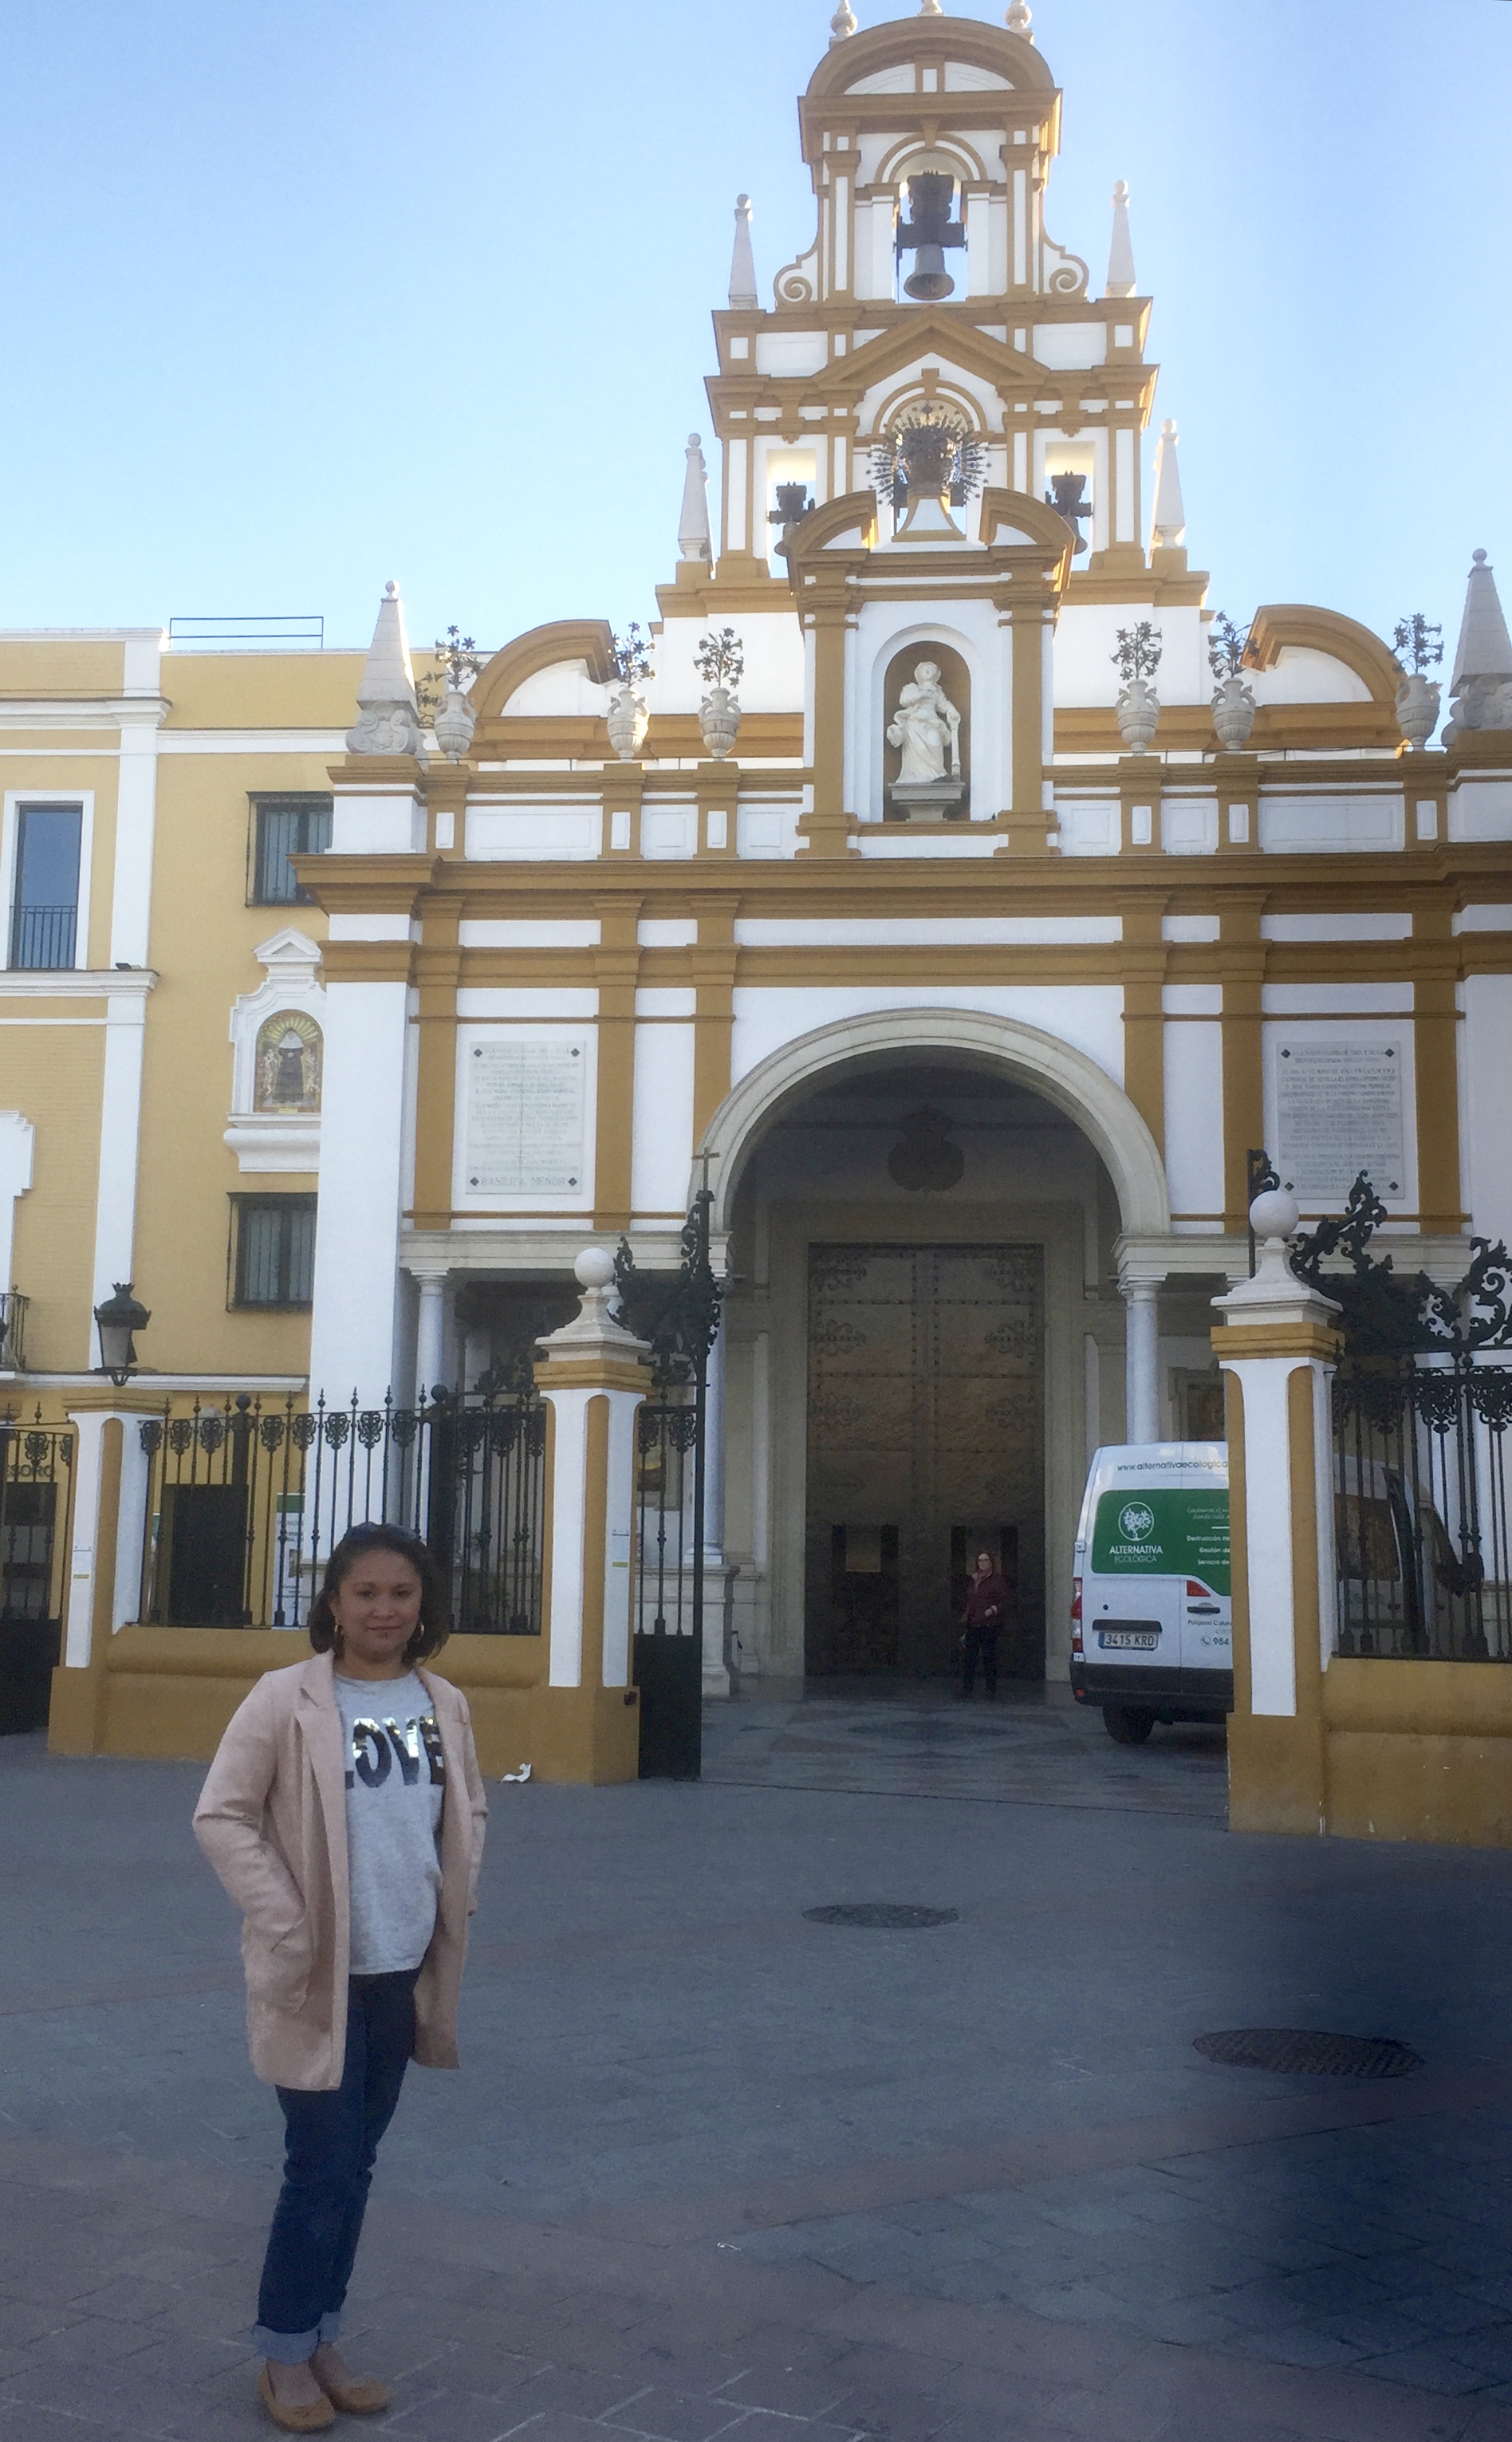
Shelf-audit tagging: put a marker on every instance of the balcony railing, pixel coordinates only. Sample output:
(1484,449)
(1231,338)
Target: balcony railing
(42,937)
(12,1332)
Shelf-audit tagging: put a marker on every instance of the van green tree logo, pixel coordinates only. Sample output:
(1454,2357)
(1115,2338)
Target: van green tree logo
(1136,1521)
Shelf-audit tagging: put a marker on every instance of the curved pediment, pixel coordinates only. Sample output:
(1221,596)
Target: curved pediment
(858,65)
(588,641)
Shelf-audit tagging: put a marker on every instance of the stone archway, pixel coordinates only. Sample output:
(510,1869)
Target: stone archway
(1069,1078)
(1040,1221)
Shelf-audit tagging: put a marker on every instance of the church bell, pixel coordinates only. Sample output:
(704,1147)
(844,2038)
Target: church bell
(929,276)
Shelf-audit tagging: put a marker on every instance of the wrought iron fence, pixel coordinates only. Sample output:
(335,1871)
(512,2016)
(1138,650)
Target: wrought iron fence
(36,1501)
(1420,1510)
(1422,1404)
(247,1500)
(678,1314)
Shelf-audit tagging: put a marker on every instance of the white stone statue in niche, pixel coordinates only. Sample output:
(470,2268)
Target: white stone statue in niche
(926,731)
(288,1063)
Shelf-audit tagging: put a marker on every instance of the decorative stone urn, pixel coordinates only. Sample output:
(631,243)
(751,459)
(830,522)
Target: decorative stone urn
(720,721)
(1417,701)
(1138,709)
(454,725)
(1233,714)
(629,721)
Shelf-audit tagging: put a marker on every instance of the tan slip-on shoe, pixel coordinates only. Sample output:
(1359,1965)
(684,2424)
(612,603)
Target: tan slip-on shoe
(359,2395)
(311,2416)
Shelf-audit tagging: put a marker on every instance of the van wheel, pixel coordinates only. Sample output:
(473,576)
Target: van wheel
(1129,1729)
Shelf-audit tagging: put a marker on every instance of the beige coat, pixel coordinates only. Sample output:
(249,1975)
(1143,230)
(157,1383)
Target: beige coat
(272,1821)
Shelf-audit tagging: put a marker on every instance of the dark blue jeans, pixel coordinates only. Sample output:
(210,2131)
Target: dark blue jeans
(330,2145)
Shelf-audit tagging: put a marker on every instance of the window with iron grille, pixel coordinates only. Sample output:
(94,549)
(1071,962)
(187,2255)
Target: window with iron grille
(283,828)
(44,906)
(272,1249)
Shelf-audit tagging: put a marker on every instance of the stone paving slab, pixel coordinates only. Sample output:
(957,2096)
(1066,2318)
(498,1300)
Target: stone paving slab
(712,2169)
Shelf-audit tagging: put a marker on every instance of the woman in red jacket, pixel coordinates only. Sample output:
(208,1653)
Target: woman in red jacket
(987,1601)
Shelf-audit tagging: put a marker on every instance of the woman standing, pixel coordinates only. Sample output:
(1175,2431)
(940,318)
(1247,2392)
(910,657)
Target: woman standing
(344,1813)
(987,1601)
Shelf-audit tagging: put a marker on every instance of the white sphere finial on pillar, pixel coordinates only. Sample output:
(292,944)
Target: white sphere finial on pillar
(841,25)
(594,1267)
(1275,1214)
(1019,20)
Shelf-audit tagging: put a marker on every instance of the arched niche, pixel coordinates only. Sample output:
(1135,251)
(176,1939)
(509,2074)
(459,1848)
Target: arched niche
(288,1062)
(955,680)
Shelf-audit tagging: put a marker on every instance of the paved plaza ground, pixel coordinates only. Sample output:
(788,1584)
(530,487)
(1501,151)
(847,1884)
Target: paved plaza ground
(711,2168)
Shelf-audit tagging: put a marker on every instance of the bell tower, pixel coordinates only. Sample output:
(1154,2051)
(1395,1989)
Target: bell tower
(932,278)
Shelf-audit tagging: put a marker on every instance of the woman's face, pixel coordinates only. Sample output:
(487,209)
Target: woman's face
(376,1607)
(984,1564)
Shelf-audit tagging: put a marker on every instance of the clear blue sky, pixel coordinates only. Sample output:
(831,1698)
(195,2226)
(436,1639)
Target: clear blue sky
(305,294)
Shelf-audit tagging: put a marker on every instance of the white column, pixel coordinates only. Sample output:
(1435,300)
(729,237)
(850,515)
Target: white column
(122,1564)
(120,1108)
(430,1338)
(136,825)
(1141,1344)
(716,1589)
(356,1235)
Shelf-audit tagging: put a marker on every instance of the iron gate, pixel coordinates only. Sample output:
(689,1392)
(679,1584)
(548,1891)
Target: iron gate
(1422,1403)
(678,1314)
(36,1496)
(246,1502)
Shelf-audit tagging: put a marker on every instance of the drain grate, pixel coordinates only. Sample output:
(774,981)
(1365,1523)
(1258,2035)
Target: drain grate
(1303,2052)
(882,1916)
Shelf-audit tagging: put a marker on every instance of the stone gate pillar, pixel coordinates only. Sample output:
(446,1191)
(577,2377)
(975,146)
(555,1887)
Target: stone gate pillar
(593,1375)
(1278,1346)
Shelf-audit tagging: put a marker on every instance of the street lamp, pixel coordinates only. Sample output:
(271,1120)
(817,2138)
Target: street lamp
(118,1319)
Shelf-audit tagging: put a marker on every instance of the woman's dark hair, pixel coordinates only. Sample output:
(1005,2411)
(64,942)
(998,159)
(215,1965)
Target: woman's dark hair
(377,1535)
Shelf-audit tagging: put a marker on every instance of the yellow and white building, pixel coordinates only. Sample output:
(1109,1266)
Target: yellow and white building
(972,1064)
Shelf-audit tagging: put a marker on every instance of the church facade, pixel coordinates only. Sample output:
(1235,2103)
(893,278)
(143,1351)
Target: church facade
(945,884)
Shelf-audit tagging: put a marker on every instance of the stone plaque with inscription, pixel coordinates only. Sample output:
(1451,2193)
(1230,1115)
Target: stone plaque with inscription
(1339,1111)
(525,1116)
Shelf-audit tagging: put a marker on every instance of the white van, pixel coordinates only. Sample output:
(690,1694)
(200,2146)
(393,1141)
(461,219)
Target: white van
(1151,1633)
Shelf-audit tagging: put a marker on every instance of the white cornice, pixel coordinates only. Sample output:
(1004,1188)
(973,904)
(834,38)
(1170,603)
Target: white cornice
(76,983)
(84,712)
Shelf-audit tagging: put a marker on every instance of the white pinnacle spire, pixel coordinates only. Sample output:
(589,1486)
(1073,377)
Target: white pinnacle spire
(1484,649)
(1169,524)
(841,25)
(693,539)
(388,715)
(742,263)
(930,9)
(1121,253)
(1019,19)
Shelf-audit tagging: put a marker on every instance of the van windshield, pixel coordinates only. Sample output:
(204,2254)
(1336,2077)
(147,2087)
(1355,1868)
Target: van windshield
(1170,1531)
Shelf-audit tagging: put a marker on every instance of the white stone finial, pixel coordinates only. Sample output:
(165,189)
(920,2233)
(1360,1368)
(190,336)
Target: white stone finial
(742,261)
(1275,1294)
(1481,683)
(1019,20)
(841,25)
(694,540)
(388,715)
(595,1329)
(1484,649)
(930,9)
(1121,252)
(1169,524)
(1275,1214)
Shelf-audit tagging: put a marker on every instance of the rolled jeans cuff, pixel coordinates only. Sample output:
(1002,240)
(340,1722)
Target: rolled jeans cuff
(292,2348)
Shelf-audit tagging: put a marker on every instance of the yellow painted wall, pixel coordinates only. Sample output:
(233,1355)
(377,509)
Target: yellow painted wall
(52,1075)
(56,666)
(202,943)
(253,690)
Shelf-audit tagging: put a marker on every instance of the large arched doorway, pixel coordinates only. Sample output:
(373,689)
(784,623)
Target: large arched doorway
(921,1216)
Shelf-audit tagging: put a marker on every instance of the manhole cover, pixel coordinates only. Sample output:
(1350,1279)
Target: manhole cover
(881,1915)
(1304,2053)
